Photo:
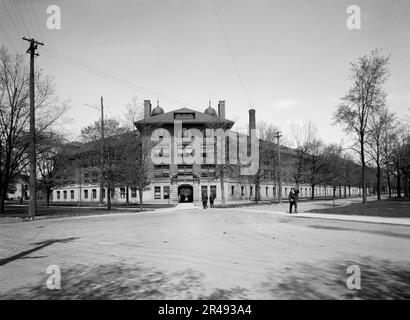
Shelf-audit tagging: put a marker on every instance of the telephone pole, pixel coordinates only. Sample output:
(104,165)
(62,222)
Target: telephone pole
(102,152)
(33,179)
(278,136)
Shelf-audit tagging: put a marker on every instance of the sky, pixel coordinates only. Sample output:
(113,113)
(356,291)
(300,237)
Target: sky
(287,59)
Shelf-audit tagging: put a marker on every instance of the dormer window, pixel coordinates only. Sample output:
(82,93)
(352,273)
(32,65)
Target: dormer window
(184,115)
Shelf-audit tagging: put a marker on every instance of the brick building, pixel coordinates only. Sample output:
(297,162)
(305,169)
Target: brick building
(171,183)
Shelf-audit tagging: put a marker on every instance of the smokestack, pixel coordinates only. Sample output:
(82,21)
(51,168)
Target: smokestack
(147,109)
(252,121)
(221,109)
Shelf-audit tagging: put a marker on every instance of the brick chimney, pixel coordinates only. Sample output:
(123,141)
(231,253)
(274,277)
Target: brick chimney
(147,109)
(221,109)
(252,120)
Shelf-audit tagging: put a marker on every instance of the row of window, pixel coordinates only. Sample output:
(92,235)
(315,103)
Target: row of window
(165,193)
(94,194)
(162,171)
(93,178)
(303,191)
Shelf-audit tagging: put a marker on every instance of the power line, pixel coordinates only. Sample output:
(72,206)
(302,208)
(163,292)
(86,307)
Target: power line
(230,51)
(20,16)
(33,180)
(85,67)
(11,18)
(7,37)
(30,20)
(36,20)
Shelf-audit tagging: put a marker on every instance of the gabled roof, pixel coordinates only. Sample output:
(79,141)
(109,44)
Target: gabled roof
(199,118)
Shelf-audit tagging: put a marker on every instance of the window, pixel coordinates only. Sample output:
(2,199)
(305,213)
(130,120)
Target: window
(267,191)
(207,171)
(133,192)
(94,193)
(232,190)
(86,178)
(103,191)
(213,190)
(161,171)
(85,194)
(65,194)
(204,189)
(184,170)
(58,195)
(95,177)
(242,190)
(72,194)
(251,191)
(184,116)
(273,191)
(157,193)
(166,192)
(122,192)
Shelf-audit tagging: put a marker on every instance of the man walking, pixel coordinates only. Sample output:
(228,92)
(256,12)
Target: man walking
(204,200)
(212,199)
(293,199)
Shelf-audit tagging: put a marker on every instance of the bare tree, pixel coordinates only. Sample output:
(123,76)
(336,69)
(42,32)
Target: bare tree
(49,146)
(387,150)
(315,163)
(364,98)
(135,112)
(136,165)
(333,171)
(305,137)
(401,155)
(379,125)
(268,160)
(112,155)
(14,115)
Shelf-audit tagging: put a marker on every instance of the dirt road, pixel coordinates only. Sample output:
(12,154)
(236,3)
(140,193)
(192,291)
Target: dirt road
(221,254)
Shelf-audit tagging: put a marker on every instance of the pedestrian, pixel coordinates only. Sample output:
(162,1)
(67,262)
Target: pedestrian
(204,200)
(293,199)
(212,199)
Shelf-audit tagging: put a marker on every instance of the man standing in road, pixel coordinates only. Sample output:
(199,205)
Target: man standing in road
(293,199)
(204,200)
(212,199)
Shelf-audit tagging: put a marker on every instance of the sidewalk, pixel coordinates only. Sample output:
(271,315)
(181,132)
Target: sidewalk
(386,220)
(326,216)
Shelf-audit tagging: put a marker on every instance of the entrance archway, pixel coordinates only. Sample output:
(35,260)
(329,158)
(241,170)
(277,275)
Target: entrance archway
(185,193)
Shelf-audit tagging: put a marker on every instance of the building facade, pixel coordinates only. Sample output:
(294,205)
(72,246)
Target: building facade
(173,182)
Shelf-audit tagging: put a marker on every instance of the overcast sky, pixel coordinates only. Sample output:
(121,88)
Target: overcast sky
(290,59)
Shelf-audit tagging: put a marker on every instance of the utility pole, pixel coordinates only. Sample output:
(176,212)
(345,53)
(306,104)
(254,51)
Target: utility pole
(102,184)
(278,136)
(33,194)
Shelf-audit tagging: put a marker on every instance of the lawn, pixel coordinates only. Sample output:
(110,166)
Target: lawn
(14,211)
(382,208)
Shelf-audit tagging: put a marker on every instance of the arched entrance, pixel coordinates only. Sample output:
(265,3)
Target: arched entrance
(185,193)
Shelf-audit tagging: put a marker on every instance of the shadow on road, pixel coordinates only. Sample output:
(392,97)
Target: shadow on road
(121,281)
(380,279)
(39,246)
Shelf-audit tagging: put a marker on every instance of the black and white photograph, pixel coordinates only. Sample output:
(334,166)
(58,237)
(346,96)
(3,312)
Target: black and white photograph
(214,151)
